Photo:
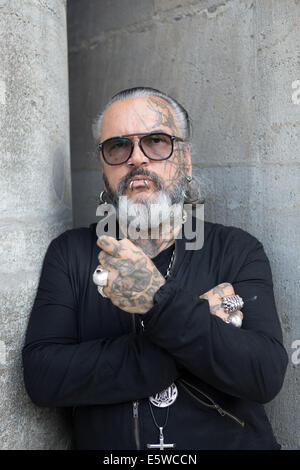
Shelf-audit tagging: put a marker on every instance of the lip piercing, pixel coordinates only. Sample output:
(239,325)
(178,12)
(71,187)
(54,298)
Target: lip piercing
(145,181)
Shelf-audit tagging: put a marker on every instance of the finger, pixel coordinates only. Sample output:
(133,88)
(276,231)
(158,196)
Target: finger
(228,290)
(204,296)
(110,245)
(107,261)
(223,290)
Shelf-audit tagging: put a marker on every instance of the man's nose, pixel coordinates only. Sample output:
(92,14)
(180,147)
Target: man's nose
(137,157)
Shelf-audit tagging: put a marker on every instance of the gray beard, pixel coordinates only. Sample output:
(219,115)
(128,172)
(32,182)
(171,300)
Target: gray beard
(149,217)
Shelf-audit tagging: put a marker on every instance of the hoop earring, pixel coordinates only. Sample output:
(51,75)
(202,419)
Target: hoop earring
(101,197)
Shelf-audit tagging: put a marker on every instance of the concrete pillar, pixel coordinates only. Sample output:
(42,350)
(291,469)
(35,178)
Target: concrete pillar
(235,66)
(35,204)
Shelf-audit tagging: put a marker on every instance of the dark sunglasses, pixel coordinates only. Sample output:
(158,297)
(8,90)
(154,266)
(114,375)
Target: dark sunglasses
(155,146)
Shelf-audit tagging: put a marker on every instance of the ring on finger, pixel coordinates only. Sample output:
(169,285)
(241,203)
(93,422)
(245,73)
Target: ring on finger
(100,277)
(232,303)
(235,319)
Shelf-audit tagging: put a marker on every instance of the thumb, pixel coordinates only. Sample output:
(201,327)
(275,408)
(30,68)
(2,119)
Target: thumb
(110,245)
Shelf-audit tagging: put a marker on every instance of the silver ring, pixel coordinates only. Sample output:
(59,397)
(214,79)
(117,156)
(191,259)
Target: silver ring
(235,319)
(100,290)
(100,277)
(232,303)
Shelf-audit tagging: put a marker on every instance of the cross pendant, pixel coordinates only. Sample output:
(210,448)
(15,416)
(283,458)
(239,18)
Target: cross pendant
(161,444)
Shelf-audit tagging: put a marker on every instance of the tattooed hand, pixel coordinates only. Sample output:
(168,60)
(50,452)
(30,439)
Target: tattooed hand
(214,298)
(133,279)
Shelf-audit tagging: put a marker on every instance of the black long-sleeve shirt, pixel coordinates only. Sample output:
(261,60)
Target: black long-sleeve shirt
(83,352)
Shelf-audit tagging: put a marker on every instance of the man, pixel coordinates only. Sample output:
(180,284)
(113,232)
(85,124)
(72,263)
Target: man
(159,355)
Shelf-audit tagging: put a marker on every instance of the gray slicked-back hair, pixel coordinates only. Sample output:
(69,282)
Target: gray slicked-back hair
(181,114)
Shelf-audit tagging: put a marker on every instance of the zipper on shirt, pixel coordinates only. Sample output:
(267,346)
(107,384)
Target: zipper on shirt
(136,406)
(213,405)
(175,256)
(136,424)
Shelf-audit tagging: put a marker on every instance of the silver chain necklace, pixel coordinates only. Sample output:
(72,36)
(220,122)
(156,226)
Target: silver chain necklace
(167,397)
(171,263)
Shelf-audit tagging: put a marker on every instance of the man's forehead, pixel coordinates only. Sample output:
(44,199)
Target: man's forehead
(140,114)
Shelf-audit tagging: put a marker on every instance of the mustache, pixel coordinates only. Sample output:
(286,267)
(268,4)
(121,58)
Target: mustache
(140,172)
(177,195)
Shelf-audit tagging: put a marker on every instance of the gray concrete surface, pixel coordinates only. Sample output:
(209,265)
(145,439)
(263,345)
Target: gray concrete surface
(232,63)
(35,204)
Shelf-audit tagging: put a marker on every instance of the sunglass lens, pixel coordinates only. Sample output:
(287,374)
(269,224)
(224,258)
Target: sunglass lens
(116,151)
(157,146)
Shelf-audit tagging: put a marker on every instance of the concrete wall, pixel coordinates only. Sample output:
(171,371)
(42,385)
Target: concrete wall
(35,204)
(232,63)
